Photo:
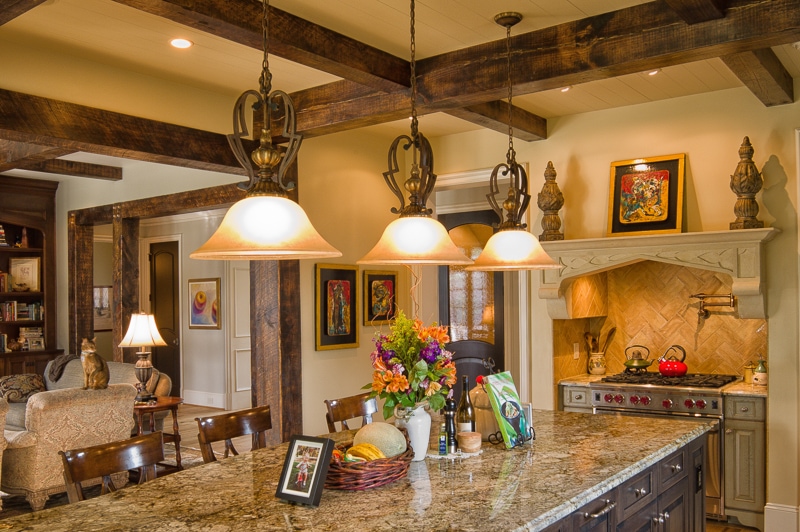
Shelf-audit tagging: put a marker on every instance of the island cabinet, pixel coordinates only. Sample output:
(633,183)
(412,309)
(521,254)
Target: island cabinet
(575,398)
(745,459)
(665,497)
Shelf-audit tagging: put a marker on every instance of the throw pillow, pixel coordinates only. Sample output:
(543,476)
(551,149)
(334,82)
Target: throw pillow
(17,388)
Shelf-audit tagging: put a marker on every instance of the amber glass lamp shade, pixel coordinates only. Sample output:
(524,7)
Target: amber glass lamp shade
(142,333)
(513,249)
(265,228)
(415,240)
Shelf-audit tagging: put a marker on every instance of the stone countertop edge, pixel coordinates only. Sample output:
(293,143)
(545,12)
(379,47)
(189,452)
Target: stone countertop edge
(612,482)
(738,387)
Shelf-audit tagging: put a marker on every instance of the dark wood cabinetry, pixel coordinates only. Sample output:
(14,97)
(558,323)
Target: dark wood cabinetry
(27,216)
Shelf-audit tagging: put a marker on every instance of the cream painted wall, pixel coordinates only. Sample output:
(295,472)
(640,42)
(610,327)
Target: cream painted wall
(709,130)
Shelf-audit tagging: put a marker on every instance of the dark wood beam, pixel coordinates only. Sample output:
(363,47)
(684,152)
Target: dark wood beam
(77,169)
(694,11)
(11,9)
(763,73)
(494,116)
(20,154)
(32,119)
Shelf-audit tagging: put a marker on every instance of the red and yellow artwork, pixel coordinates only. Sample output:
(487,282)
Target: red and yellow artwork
(644,197)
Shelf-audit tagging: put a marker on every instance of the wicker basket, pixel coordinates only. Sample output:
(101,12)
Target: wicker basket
(366,475)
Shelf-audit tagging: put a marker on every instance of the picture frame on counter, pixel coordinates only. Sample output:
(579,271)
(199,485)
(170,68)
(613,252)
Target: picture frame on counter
(336,306)
(646,196)
(379,289)
(205,309)
(24,273)
(304,470)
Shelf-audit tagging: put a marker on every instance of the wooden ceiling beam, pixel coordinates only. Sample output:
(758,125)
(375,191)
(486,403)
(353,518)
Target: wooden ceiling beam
(494,115)
(694,11)
(763,73)
(77,169)
(11,9)
(20,154)
(67,126)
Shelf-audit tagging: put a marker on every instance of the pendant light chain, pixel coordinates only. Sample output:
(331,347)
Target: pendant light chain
(511,156)
(265,80)
(414,124)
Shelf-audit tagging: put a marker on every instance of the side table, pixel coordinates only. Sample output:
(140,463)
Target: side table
(162,404)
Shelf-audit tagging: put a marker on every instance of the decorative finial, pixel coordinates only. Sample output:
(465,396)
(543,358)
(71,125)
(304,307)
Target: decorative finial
(550,201)
(746,181)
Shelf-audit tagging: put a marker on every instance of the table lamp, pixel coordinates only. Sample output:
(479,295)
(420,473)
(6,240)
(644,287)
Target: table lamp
(142,333)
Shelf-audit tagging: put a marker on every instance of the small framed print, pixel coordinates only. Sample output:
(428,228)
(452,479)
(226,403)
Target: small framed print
(305,469)
(379,296)
(646,196)
(35,344)
(336,306)
(204,306)
(101,308)
(24,274)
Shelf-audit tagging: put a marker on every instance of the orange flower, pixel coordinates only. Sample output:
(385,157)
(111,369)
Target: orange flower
(448,371)
(433,387)
(437,333)
(397,383)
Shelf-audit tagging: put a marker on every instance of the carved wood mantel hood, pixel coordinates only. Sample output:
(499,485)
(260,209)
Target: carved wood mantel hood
(739,254)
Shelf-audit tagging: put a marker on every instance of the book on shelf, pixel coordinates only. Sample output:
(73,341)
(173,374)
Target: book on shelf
(4,280)
(31,332)
(4,343)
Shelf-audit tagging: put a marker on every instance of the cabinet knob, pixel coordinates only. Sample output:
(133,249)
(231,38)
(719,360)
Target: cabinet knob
(640,492)
(745,409)
(659,520)
(578,397)
(676,468)
(728,431)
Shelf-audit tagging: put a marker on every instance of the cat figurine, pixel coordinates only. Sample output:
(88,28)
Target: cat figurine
(95,368)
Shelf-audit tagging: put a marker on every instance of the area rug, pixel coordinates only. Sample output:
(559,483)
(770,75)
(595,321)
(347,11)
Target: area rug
(14,505)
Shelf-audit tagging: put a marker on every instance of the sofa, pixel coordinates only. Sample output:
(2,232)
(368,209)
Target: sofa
(3,411)
(159,384)
(59,420)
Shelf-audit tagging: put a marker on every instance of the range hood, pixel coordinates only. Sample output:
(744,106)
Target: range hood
(738,253)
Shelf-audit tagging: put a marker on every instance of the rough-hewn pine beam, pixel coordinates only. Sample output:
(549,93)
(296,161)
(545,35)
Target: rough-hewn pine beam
(290,37)
(763,73)
(494,116)
(19,154)
(694,11)
(32,119)
(11,9)
(77,169)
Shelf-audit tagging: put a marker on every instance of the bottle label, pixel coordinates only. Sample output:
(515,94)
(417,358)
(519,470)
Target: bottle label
(466,427)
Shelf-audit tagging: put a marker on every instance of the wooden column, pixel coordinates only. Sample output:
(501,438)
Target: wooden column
(125,257)
(80,254)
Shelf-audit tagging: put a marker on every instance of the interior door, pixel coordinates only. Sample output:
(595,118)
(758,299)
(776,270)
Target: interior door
(471,303)
(165,306)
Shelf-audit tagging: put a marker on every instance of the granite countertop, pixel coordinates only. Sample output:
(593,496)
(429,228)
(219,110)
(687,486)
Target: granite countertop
(581,380)
(742,388)
(574,459)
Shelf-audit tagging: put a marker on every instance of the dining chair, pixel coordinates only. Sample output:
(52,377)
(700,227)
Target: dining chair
(111,459)
(350,408)
(224,427)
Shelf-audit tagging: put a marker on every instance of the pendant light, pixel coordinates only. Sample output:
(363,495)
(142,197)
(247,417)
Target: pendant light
(512,247)
(266,224)
(415,237)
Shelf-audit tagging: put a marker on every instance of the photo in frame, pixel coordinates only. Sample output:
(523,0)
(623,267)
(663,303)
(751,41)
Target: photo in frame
(304,470)
(646,196)
(204,304)
(101,308)
(336,291)
(379,291)
(24,274)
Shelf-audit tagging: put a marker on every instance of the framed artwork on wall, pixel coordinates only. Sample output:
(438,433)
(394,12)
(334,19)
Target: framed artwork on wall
(336,291)
(646,196)
(24,274)
(379,292)
(304,470)
(204,307)
(101,308)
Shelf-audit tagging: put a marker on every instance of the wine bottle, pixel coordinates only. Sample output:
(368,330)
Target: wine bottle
(465,414)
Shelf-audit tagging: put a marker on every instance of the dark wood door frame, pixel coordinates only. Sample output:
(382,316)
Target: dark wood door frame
(274,296)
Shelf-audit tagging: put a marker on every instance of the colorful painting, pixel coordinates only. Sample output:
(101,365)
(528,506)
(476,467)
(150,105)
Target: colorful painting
(644,197)
(379,297)
(204,307)
(338,307)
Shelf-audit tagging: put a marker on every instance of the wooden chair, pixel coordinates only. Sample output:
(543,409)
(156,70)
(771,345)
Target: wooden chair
(349,408)
(255,421)
(140,452)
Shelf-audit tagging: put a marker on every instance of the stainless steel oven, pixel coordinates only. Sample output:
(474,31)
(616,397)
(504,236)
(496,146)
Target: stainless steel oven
(689,397)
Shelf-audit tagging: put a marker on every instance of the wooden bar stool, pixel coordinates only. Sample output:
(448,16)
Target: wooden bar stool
(350,408)
(256,421)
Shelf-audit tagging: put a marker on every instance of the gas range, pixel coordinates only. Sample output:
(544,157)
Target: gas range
(691,394)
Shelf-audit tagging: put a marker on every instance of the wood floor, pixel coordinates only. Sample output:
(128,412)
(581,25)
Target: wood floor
(188,428)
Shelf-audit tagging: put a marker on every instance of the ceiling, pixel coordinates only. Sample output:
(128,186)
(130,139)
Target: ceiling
(345,62)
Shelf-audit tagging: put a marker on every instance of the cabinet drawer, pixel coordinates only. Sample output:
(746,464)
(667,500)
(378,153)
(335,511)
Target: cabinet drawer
(671,469)
(745,408)
(576,396)
(637,492)
(600,514)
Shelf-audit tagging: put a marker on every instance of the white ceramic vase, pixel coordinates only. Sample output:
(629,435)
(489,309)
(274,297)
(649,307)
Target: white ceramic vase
(418,425)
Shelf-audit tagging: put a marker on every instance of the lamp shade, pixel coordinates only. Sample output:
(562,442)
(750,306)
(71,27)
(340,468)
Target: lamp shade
(415,240)
(513,249)
(142,332)
(265,228)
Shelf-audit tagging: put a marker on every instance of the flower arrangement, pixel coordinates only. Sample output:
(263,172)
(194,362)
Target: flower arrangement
(411,365)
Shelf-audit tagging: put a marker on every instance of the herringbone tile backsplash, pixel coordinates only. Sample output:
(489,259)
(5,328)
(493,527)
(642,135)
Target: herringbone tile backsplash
(649,304)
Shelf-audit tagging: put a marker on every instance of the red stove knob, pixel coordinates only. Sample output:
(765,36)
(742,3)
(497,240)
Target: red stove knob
(701,404)
(645,400)
(608,397)
(619,398)
(635,399)
(667,403)
(689,403)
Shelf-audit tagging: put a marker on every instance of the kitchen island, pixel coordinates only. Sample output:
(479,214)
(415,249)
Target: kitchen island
(575,459)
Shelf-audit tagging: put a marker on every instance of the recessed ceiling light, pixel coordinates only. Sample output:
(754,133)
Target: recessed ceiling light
(181,43)
(654,72)
(796,45)
(566,89)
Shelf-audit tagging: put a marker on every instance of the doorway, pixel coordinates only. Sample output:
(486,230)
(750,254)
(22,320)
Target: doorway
(165,307)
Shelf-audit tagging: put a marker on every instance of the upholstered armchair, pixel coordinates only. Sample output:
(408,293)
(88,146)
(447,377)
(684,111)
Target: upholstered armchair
(59,420)
(3,410)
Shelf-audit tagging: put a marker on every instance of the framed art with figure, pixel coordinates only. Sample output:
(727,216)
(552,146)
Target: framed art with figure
(204,304)
(336,291)
(101,310)
(304,470)
(646,196)
(379,291)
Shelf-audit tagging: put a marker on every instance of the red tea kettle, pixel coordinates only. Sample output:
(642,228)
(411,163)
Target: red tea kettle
(669,365)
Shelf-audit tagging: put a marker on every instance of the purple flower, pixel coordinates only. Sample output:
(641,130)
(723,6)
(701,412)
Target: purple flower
(430,352)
